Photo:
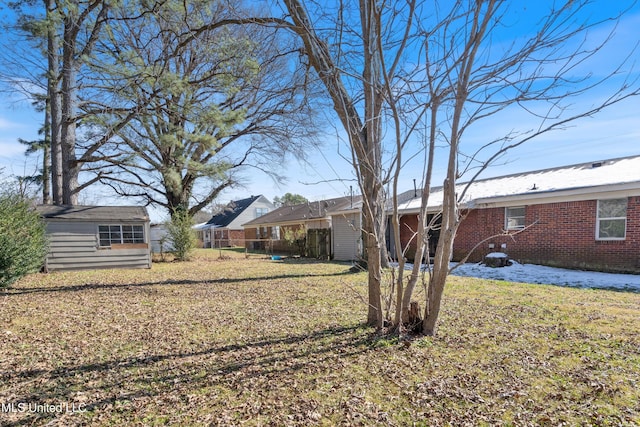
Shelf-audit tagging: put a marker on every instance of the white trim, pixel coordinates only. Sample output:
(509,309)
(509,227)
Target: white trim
(506,217)
(605,239)
(120,225)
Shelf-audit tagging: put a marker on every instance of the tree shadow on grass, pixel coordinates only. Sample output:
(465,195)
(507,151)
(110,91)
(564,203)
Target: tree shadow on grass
(121,381)
(171,282)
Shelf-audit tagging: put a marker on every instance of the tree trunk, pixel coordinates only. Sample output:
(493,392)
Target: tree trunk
(46,156)
(414,321)
(422,244)
(441,260)
(369,158)
(375,315)
(449,227)
(417,265)
(398,318)
(53,80)
(364,136)
(70,169)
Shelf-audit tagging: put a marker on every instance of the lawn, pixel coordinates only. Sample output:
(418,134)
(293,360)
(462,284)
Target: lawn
(250,341)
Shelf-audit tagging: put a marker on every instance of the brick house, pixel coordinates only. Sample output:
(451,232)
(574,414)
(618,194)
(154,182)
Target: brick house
(584,216)
(225,229)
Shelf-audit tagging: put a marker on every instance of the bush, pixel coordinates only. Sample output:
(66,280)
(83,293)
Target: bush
(23,244)
(181,235)
(296,236)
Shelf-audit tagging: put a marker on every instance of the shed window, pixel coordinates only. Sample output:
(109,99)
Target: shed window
(514,218)
(120,234)
(612,219)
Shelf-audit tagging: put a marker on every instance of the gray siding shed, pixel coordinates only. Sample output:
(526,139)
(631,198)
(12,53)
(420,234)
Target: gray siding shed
(75,242)
(347,236)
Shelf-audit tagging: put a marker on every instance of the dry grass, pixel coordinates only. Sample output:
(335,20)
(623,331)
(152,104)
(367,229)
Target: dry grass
(252,341)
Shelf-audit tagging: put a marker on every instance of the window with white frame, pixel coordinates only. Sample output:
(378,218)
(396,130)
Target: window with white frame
(612,219)
(120,234)
(262,232)
(261,211)
(514,218)
(275,233)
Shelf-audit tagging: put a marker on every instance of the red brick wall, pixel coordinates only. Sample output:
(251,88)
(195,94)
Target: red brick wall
(250,233)
(236,237)
(408,227)
(225,237)
(563,235)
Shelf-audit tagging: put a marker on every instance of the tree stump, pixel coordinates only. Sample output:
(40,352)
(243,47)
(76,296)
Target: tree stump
(414,322)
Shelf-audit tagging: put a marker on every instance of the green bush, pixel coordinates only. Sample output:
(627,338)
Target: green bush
(181,235)
(296,236)
(23,243)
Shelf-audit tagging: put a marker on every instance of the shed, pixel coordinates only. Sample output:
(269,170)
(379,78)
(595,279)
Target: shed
(94,237)
(159,239)
(346,231)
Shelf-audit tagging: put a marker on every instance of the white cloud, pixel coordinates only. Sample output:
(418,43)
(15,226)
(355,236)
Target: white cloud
(10,149)
(8,124)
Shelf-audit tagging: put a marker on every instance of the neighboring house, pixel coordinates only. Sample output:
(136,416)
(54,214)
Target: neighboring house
(93,237)
(584,216)
(225,229)
(313,219)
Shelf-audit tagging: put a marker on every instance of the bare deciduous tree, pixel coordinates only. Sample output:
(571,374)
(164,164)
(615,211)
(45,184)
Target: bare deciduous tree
(447,70)
(469,79)
(360,110)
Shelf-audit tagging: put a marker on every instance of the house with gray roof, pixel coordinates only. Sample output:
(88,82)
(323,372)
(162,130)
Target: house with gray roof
(225,228)
(314,220)
(94,237)
(583,216)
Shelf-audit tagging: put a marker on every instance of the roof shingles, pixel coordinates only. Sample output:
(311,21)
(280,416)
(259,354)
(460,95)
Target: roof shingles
(93,213)
(231,212)
(301,213)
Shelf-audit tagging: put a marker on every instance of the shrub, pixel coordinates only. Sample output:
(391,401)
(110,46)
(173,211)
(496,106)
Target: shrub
(296,237)
(23,244)
(181,235)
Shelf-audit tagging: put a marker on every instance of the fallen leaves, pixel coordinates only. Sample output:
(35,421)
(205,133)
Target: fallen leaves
(234,341)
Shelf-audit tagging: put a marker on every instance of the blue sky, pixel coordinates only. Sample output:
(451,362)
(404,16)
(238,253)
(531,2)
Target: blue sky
(612,133)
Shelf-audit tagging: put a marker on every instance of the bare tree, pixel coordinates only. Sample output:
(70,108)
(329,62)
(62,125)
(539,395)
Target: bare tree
(359,110)
(466,82)
(438,77)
